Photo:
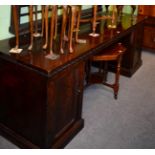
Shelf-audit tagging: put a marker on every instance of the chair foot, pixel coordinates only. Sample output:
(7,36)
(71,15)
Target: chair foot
(115,96)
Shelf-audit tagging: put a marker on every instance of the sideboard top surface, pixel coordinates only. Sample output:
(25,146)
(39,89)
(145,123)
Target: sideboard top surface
(36,58)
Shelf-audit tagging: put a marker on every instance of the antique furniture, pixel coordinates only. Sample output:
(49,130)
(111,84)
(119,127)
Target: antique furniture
(45,23)
(34,29)
(149,27)
(53,26)
(113,53)
(41,99)
(95,18)
(73,14)
(16,49)
(31,26)
(36,33)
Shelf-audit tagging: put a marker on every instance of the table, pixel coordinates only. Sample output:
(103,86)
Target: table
(41,99)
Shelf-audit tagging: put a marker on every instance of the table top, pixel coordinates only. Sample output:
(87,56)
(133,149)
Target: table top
(36,57)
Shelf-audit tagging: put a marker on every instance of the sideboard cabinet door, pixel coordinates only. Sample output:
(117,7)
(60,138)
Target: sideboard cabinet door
(65,93)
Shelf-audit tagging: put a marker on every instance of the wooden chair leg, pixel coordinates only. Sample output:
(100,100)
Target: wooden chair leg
(36,33)
(43,20)
(113,17)
(15,49)
(63,28)
(116,84)
(52,55)
(31,26)
(94,34)
(56,20)
(15,19)
(73,13)
(94,18)
(46,27)
(52,28)
(77,40)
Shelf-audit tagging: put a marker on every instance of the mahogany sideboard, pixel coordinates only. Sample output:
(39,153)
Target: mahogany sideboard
(41,99)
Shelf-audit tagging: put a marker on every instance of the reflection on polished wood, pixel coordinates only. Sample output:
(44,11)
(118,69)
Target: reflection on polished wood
(108,36)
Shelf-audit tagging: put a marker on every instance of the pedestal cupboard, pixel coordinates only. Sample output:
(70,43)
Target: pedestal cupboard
(149,28)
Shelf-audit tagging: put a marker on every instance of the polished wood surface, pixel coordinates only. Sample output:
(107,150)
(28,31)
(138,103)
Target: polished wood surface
(149,28)
(41,99)
(126,31)
(147,10)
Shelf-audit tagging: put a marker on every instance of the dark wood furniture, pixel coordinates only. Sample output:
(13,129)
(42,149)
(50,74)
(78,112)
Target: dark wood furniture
(41,99)
(71,15)
(113,53)
(96,18)
(149,29)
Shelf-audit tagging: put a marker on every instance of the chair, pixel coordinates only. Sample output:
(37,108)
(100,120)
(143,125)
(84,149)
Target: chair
(113,53)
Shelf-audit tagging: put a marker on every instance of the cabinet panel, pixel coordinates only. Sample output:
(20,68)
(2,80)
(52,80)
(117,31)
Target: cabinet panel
(39,111)
(148,10)
(64,100)
(149,37)
(149,27)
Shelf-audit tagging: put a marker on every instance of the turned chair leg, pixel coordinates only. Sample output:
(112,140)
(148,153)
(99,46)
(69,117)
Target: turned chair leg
(36,33)
(52,55)
(31,26)
(63,28)
(43,20)
(71,29)
(56,20)
(46,27)
(116,84)
(94,18)
(77,29)
(52,28)
(15,19)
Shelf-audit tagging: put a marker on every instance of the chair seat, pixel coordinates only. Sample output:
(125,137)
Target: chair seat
(110,54)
